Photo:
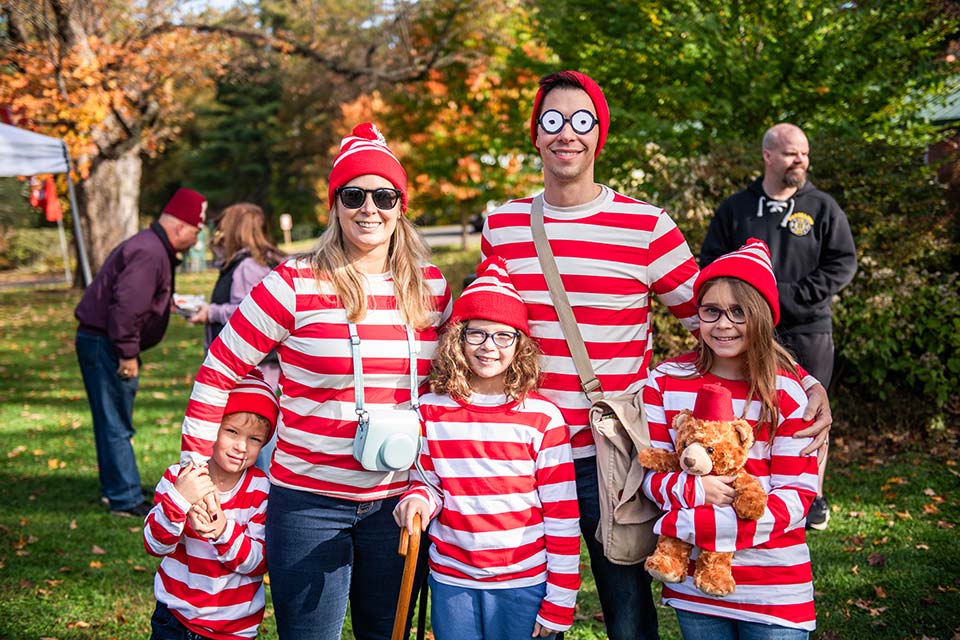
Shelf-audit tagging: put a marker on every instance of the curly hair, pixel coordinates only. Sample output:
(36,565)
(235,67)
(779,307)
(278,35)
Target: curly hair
(451,373)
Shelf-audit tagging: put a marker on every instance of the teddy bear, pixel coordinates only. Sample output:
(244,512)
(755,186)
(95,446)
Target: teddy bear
(708,440)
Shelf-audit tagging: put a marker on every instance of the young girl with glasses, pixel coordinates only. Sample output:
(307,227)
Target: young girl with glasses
(738,308)
(495,476)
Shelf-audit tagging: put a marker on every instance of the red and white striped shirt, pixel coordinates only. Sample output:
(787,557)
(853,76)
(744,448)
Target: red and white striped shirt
(213,587)
(508,516)
(611,253)
(771,565)
(318,419)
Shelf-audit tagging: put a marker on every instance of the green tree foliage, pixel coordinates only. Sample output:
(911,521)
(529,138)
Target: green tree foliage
(688,74)
(693,85)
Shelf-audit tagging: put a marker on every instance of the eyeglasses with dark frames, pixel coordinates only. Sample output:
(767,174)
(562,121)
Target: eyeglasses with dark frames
(581,121)
(354,197)
(709,313)
(503,339)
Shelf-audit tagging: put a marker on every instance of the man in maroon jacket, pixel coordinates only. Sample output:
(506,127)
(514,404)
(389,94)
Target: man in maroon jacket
(124,311)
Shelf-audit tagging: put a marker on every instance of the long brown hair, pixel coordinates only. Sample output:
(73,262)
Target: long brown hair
(765,356)
(407,254)
(244,226)
(451,373)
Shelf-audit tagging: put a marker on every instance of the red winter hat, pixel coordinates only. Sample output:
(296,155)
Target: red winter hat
(365,152)
(714,403)
(253,395)
(586,83)
(492,297)
(189,206)
(750,263)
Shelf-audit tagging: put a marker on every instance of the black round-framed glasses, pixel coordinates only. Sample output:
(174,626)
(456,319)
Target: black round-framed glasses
(709,313)
(581,121)
(354,197)
(503,339)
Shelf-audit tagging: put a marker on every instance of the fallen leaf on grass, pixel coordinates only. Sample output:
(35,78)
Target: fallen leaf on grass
(945,525)
(96,564)
(904,515)
(26,584)
(855,514)
(64,569)
(72,525)
(929,492)
(13,453)
(139,567)
(855,570)
(922,547)
(876,560)
(134,529)
(880,591)
(98,551)
(79,624)
(930,509)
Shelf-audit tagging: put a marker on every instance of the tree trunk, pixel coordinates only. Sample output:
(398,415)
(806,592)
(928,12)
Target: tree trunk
(109,203)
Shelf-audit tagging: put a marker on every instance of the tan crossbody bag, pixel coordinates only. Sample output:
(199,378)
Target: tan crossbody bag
(619,430)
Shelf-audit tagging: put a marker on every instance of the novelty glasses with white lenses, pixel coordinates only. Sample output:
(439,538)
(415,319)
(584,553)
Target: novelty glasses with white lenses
(581,121)
(503,339)
(354,197)
(709,314)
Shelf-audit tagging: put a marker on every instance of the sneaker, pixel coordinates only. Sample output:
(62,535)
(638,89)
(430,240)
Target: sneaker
(819,514)
(137,511)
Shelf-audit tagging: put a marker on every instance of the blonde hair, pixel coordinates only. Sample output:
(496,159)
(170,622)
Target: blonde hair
(407,254)
(244,226)
(765,356)
(451,373)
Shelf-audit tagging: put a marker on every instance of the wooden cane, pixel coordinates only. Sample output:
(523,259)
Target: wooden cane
(410,549)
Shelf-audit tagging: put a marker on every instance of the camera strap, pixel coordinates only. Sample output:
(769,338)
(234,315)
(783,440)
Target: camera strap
(413,351)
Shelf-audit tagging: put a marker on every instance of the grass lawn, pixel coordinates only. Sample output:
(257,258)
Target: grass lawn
(887,568)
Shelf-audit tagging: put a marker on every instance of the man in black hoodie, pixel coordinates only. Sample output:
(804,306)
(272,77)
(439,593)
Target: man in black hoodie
(812,250)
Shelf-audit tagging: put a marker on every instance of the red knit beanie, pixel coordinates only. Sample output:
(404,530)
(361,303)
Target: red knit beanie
(253,395)
(586,83)
(750,263)
(365,152)
(714,403)
(189,206)
(492,297)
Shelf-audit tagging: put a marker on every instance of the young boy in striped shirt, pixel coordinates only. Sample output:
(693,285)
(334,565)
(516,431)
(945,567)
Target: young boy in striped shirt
(207,525)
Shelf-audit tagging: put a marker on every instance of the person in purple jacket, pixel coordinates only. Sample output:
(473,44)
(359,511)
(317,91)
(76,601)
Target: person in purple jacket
(123,312)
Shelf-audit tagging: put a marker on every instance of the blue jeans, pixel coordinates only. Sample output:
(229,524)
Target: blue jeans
(325,551)
(624,590)
(459,613)
(111,404)
(165,626)
(694,626)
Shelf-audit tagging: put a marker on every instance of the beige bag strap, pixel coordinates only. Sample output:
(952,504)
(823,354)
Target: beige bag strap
(568,323)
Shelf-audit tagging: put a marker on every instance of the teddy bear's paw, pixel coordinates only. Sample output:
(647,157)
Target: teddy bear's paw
(749,507)
(665,569)
(717,586)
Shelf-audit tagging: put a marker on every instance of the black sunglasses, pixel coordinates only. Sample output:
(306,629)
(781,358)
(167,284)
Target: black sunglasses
(581,121)
(354,197)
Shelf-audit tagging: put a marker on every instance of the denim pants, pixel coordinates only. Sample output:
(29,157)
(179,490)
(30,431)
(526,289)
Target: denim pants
(624,590)
(325,551)
(165,626)
(459,613)
(111,405)
(694,626)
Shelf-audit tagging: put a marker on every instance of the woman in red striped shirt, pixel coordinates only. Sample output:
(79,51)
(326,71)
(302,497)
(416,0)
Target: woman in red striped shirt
(496,477)
(355,328)
(738,307)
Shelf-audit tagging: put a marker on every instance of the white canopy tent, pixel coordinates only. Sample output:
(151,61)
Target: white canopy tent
(25,153)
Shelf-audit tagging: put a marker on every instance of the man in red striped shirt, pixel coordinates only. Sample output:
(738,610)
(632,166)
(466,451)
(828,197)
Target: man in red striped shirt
(612,252)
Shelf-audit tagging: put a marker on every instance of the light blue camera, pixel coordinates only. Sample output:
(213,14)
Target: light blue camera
(387,440)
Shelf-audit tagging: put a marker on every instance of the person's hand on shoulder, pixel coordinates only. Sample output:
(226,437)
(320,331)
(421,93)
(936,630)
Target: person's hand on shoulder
(818,410)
